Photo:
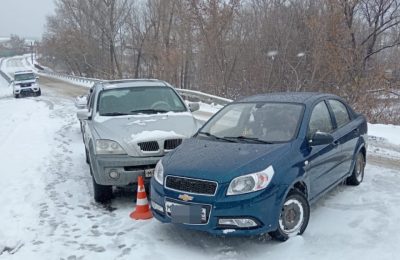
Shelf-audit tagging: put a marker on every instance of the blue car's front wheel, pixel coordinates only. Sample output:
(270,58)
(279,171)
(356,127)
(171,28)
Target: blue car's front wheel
(294,216)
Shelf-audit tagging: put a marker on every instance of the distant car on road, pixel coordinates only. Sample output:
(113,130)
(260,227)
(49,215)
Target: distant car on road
(128,126)
(25,83)
(258,163)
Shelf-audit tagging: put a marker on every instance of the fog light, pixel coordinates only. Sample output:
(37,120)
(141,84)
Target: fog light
(157,207)
(238,222)
(114,174)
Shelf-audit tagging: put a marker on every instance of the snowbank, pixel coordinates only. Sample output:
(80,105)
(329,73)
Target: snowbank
(391,133)
(5,89)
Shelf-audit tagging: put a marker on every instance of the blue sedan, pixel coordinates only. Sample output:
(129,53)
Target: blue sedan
(257,165)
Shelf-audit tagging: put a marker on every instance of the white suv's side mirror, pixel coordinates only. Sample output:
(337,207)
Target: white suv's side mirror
(194,106)
(81,102)
(83,114)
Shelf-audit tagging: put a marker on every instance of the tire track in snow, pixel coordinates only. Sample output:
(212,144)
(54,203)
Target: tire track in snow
(382,153)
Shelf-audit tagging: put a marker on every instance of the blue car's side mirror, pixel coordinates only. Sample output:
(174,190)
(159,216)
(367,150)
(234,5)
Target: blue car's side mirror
(320,138)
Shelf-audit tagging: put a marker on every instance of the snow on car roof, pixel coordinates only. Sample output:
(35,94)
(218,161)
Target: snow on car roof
(134,83)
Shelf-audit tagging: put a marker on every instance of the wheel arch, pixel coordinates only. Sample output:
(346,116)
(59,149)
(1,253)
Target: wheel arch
(363,150)
(300,186)
(360,148)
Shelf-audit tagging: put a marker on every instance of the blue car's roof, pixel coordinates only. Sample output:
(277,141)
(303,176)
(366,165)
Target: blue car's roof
(291,97)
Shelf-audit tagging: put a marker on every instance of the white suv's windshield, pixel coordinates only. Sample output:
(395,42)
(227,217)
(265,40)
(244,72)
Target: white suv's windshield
(21,77)
(139,100)
(255,122)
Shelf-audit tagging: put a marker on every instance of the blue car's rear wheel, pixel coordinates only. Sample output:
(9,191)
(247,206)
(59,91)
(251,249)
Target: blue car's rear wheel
(357,175)
(294,216)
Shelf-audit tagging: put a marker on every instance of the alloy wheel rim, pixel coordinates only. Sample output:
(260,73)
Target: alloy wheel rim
(292,217)
(360,168)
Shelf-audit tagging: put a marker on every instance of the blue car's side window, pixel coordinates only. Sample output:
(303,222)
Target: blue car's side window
(320,120)
(340,111)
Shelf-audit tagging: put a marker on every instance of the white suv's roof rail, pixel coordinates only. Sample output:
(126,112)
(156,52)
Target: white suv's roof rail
(23,72)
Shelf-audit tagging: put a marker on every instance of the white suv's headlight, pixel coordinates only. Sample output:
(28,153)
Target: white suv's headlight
(108,147)
(251,182)
(159,173)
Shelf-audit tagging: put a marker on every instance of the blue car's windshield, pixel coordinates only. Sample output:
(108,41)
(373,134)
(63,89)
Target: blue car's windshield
(256,122)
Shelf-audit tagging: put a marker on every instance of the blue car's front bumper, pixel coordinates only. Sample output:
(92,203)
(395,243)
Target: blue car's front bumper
(263,207)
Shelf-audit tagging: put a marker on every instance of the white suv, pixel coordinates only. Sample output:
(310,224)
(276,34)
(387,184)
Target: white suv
(25,83)
(128,126)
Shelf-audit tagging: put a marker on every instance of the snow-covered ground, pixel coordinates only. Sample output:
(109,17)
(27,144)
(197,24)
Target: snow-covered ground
(17,63)
(48,212)
(5,89)
(389,132)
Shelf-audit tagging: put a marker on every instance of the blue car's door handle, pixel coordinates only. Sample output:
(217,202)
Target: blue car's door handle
(336,143)
(356,131)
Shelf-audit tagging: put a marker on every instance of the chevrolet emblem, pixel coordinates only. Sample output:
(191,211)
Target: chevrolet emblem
(185,197)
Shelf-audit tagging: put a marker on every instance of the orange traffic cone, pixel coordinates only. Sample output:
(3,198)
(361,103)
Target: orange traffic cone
(142,210)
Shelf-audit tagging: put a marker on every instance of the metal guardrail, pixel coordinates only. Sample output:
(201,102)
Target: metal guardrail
(88,82)
(204,97)
(82,81)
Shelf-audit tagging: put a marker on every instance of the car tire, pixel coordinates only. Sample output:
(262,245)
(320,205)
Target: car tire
(16,95)
(39,93)
(102,193)
(357,176)
(293,218)
(87,156)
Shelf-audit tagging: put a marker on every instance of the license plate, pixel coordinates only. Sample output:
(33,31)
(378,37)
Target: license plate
(148,173)
(186,214)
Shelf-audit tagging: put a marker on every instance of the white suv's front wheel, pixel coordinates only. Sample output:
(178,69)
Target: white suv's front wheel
(102,193)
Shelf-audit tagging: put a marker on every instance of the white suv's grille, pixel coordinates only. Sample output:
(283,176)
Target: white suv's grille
(171,144)
(151,146)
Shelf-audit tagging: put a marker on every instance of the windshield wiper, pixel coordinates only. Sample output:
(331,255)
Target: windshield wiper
(216,137)
(149,111)
(246,138)
(114,114)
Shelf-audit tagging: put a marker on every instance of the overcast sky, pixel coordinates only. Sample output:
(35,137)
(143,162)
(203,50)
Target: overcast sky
(26,18)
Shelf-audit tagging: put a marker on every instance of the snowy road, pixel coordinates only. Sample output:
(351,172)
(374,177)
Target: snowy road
(48,212)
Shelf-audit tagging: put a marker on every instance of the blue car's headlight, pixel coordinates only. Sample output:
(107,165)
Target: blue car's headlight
(251,182)
(159,173)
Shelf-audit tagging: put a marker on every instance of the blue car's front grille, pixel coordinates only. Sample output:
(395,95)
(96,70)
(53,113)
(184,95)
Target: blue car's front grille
(191,185)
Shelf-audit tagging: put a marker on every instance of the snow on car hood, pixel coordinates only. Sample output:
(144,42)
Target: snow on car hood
(135,128)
